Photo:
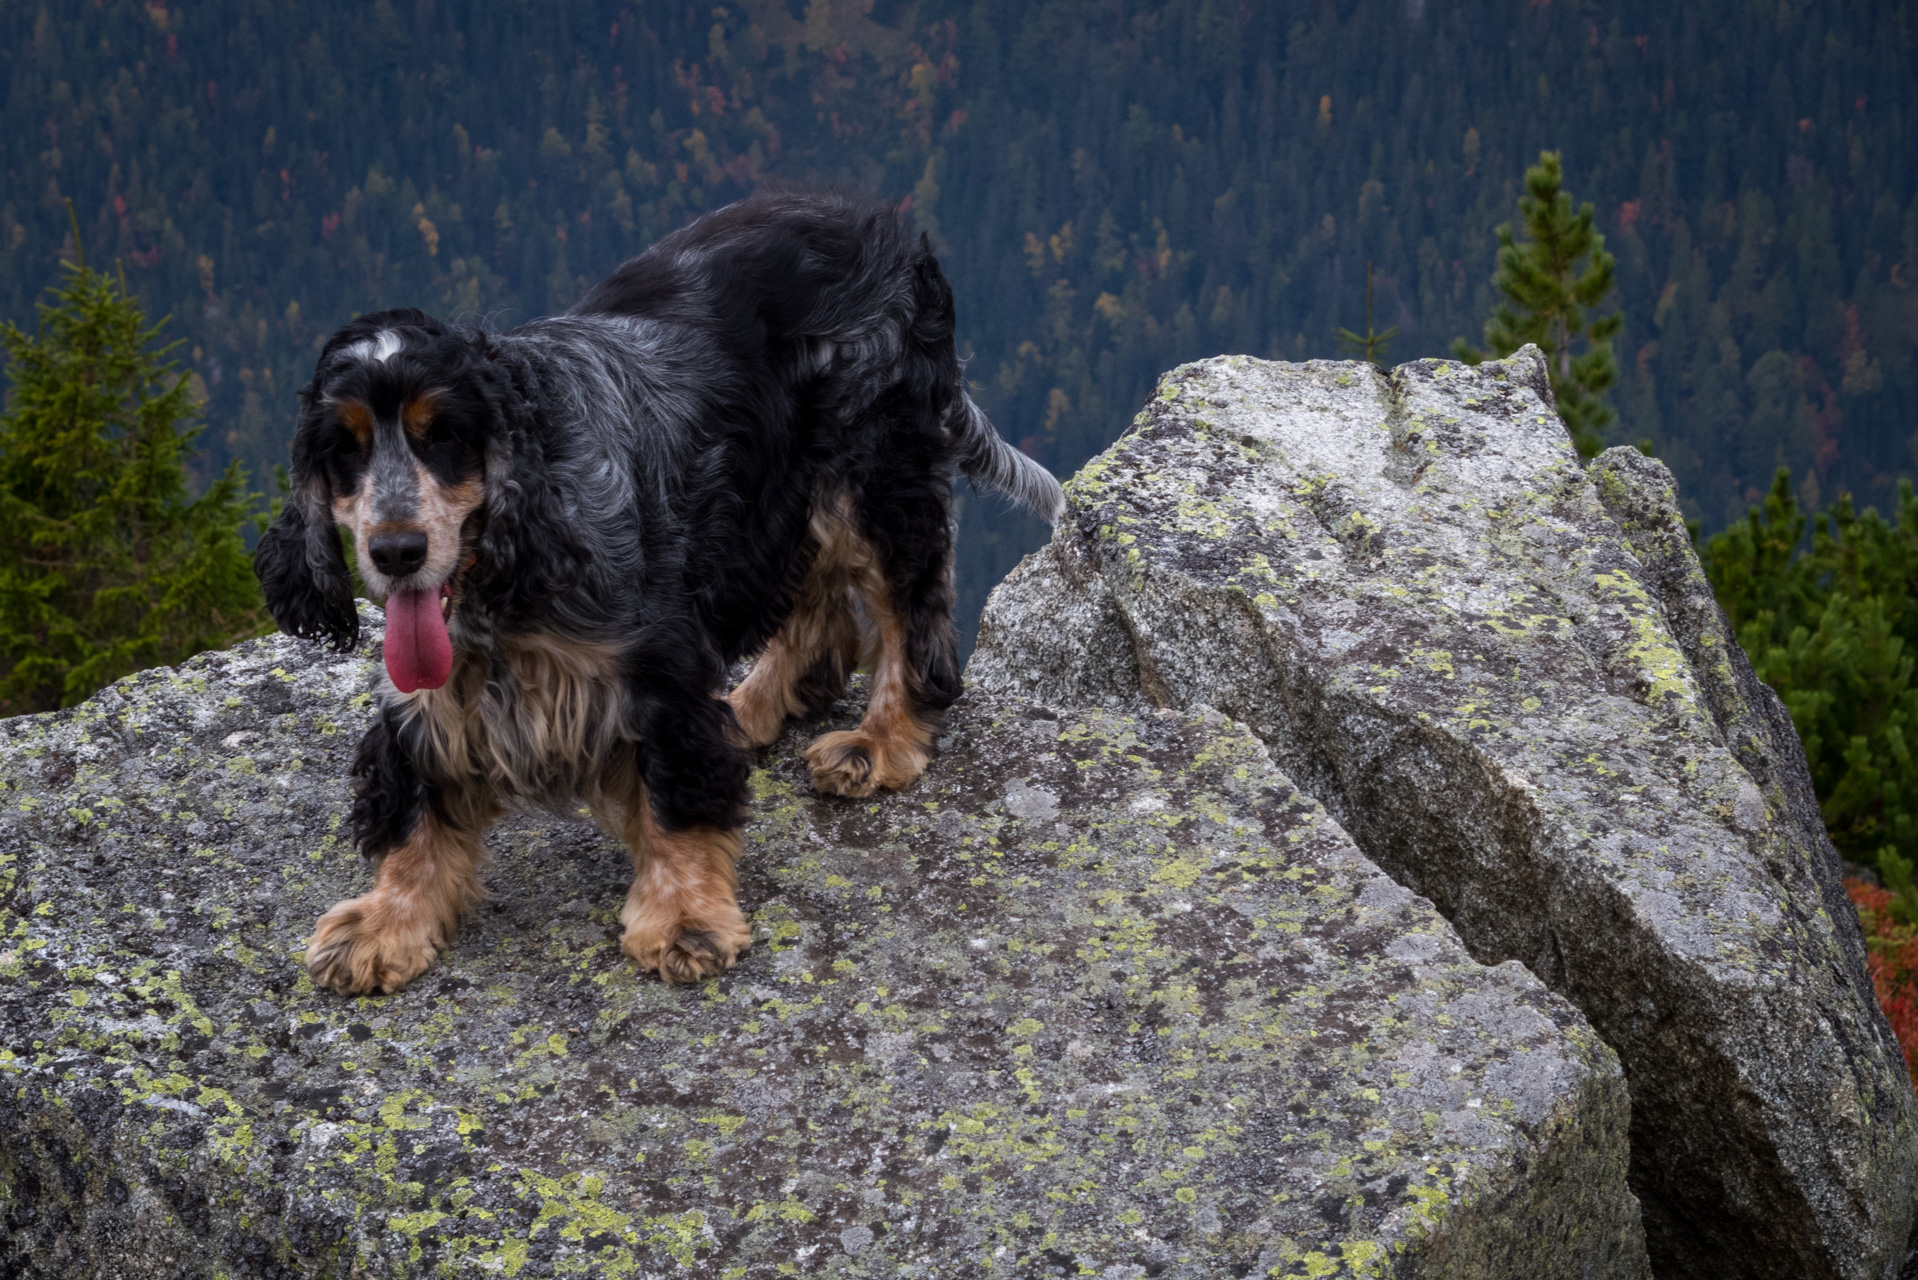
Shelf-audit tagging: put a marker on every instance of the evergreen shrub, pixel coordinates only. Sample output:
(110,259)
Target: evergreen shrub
(1832,625)
(108,564)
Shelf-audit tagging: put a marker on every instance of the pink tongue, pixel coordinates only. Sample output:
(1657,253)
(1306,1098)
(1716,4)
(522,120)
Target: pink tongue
(418,653)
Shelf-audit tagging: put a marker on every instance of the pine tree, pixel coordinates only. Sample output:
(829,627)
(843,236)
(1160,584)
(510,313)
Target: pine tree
(1549,301)
(1833,627)
(107,565)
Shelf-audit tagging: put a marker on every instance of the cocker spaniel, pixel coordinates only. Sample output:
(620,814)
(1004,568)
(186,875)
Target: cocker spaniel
(741,442)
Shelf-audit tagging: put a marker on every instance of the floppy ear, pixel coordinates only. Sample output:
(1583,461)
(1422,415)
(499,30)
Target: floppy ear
(303,575)
(529,550)
(301,568)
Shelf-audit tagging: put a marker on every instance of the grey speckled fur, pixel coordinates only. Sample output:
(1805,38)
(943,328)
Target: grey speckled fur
(1100,994)
(1504,675)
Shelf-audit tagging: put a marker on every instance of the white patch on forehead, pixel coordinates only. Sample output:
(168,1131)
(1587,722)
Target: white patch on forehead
(375,350)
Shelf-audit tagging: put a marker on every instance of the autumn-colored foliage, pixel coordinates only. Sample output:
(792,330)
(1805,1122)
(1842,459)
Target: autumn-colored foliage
(1892,954)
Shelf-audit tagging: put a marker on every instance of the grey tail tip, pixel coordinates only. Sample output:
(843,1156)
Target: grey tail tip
(991,463)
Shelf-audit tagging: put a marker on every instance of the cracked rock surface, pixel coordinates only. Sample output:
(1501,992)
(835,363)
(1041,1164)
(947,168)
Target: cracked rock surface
(1103,993)
(1505,676)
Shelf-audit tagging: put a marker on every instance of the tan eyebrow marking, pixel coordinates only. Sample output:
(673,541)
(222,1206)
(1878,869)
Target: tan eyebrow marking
(355,417)
(417,413)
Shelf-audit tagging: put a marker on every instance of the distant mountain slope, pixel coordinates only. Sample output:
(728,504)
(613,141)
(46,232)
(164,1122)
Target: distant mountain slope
(1116,186)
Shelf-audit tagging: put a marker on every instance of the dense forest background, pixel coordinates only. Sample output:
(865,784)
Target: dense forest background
(1115,186)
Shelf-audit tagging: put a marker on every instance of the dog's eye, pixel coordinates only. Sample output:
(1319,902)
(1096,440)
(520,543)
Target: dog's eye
(344,465)
(433,438)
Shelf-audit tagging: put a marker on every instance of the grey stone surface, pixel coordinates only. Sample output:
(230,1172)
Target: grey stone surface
(1505,676)
(1102,994)
(1640,496)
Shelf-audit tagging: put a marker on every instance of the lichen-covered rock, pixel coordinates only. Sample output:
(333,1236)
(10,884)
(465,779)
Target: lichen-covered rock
(1642,499)
(1101,994)
(1514,690)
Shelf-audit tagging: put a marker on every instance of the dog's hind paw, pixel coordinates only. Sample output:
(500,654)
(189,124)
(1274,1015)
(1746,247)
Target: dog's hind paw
(855,763)
(758,718)
(360,946)
(841,765)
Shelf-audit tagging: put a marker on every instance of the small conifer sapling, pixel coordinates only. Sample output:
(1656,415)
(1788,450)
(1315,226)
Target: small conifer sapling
(1371,345)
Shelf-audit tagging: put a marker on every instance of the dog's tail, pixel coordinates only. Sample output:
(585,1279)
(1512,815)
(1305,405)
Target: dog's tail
(990,463)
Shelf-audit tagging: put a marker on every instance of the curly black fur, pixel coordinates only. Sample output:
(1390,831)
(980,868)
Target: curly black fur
(303,575)
(389,797)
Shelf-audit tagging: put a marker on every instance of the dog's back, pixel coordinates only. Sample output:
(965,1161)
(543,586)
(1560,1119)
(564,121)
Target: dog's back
(776,277)
(823,330)
(831,297)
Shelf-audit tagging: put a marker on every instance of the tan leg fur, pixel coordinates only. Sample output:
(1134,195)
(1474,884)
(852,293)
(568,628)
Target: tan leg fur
(888,749)
(682,917)
(819,630)
(819,633)
(384,939)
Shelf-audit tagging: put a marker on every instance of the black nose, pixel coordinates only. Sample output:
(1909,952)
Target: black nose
(397,554)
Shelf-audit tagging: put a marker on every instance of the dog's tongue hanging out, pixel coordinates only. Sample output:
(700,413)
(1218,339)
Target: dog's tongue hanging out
(419,655)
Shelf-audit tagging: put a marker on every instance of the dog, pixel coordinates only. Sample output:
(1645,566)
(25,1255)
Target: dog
(742,442)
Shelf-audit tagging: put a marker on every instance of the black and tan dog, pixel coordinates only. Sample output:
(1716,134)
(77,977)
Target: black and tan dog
(743,441)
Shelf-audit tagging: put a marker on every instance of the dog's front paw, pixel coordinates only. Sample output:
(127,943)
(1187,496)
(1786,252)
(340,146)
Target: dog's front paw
(363,945)
(856,763)
(683,950)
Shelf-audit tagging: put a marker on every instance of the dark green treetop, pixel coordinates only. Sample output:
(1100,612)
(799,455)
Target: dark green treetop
(1833,627)
(107,565)
(1550,300)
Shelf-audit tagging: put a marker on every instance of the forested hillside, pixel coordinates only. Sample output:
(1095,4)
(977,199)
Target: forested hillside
(1115,187)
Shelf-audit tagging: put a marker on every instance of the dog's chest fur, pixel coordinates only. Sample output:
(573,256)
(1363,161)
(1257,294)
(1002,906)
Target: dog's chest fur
(540,720)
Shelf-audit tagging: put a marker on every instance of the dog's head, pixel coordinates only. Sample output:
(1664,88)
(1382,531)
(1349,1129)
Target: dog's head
(392,445)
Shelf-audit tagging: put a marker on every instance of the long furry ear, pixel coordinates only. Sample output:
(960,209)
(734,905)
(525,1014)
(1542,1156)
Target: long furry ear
(529,550)
(304,578)
(301,568)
